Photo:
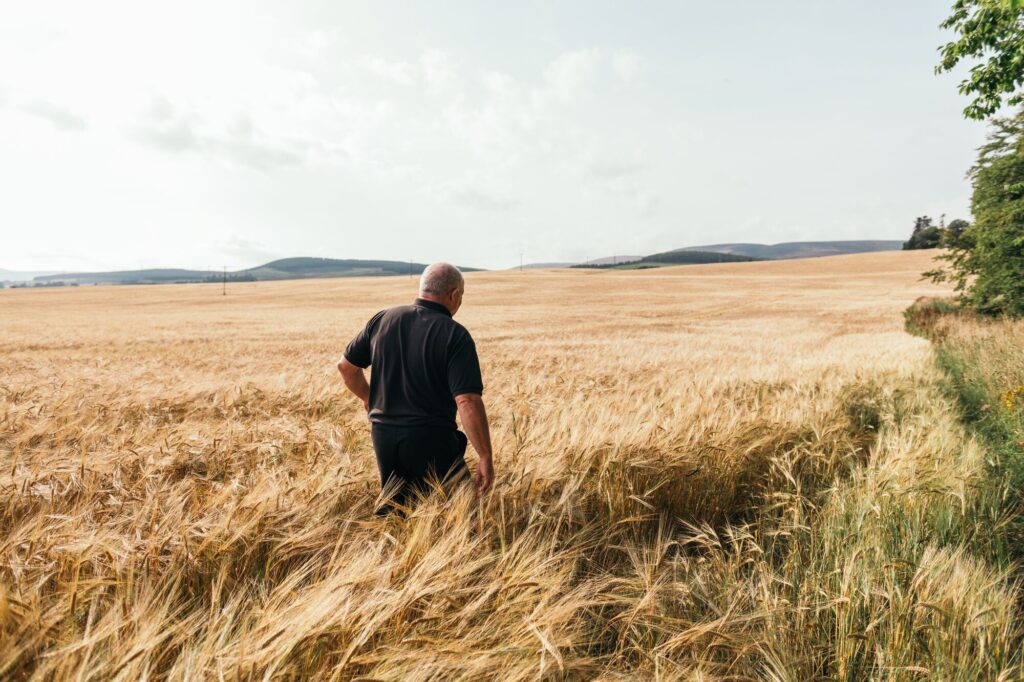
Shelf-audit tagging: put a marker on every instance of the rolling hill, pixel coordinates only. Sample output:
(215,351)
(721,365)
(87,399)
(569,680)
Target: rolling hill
(303,268)
(22,275)
(788,250)
(151,276)
(745,251)
(542,266)
(680,257)
(285,268)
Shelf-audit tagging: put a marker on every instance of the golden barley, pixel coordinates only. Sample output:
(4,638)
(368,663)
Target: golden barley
(729,471)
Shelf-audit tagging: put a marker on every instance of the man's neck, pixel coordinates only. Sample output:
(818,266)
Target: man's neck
(433,299)
(430,297)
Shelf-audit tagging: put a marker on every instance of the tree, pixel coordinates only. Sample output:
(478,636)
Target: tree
(987,261)
(925,235)
(952,237)
(991,31)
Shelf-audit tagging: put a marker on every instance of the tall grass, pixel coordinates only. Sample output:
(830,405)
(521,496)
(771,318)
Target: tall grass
(691,489)
(982,362)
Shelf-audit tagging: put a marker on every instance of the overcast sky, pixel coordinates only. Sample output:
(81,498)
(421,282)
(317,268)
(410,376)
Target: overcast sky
(201,134)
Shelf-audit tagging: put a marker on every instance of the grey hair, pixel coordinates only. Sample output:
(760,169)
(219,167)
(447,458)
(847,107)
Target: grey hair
(440,278)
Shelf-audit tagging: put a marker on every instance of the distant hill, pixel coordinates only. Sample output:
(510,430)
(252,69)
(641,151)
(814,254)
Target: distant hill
(680,257)
(153,276)
(285,268)
(611,260)
(787,250)
(540,266)
(305,268)
(607,260)
(743,251)
(694,256)
(23,275)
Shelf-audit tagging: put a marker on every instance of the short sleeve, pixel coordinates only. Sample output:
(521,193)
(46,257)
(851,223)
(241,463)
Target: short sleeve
(464,366)
(359,350)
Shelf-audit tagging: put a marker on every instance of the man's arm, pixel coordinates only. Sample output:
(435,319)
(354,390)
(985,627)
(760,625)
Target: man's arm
(474,420)
(355,381)
(357,356)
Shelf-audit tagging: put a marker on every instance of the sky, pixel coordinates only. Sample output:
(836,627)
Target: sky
(208,134)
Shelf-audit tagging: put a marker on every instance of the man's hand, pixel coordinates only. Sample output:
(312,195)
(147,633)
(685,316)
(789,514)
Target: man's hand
(484,476)
(474,421)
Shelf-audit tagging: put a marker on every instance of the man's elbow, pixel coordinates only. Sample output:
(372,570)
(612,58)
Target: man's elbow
(347,368)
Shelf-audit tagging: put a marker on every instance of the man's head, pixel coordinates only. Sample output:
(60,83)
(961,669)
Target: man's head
(443,283)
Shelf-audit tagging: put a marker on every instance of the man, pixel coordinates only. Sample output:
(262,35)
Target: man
(423,368)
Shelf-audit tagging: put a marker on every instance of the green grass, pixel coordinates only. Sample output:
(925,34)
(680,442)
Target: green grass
(982,362)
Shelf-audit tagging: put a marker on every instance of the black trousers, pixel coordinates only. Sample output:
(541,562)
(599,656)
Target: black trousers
(412,454)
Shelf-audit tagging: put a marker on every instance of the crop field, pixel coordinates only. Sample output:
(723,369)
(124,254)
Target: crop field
(730,471)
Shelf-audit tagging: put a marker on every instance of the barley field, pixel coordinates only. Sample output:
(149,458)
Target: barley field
(735,471)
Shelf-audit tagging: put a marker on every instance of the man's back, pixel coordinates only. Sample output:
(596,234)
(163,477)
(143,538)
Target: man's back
(424,370)
(419,359)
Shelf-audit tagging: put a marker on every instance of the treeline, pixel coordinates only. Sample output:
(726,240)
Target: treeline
(38,285)
(929,236)
(636,264)
(230,277)
(696,257)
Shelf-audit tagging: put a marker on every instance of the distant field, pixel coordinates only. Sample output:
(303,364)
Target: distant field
(186,488)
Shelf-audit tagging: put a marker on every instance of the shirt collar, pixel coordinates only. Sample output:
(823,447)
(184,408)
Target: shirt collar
(432,305)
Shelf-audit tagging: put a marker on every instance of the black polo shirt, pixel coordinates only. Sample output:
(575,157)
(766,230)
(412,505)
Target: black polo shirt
(419,359)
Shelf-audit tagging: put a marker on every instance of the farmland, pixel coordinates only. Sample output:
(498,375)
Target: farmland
(725,471)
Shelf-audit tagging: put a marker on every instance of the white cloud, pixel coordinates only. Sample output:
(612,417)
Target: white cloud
(518,119)
(246,252)
(647,202)
(240,141)
(401,73)
(644,200)
(567,75)
(496,82)
(476,197)
(550,125)
(439,73)
(489,129)
(605,169)
(625,65)
(622,176)
(59,116)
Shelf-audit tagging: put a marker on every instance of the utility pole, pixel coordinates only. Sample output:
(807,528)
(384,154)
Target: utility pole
(225,281)
(520,260)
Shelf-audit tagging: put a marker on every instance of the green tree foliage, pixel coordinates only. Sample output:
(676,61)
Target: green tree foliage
(925,235)
(986,260)
(953,235)
(991,32)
